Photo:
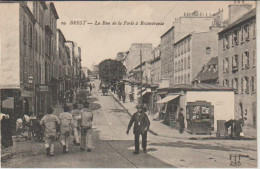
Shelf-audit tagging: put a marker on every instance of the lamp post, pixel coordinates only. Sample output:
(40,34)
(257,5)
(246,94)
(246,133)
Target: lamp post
(32,86)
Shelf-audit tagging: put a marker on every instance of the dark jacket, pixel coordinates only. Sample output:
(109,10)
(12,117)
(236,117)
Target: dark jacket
(140,121)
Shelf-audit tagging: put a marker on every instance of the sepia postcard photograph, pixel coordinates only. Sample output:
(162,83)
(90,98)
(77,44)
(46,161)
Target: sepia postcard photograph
(128,84)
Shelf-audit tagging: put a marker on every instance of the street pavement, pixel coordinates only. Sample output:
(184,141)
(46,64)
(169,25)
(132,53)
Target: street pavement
(113,147)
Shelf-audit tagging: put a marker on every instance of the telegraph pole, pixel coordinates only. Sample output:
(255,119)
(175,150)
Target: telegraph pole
(141,85)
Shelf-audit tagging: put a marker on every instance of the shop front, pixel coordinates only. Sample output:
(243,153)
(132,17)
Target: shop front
(203,105)
(169,107)
(11,104)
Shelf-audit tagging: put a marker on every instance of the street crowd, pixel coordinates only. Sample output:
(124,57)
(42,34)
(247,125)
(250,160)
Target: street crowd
(68,122)
(73,120)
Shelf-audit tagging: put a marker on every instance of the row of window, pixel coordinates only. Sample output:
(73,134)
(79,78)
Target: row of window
(156,77)
(29,38)
(246,84)
(182,48)
(182,64)
(38,13)
(239,35)
(244,62)
(183,79)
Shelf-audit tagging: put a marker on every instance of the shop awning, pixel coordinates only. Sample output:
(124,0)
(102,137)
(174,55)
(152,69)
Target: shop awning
(168,98)
(145,92)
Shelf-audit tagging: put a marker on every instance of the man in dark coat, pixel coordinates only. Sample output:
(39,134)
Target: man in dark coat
(6,131)
(181,120)
(141,126)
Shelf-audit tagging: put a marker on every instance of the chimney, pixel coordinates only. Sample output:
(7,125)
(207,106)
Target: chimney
(237,10)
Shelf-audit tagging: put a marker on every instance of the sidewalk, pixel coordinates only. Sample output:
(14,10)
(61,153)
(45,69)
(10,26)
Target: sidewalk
(158,128)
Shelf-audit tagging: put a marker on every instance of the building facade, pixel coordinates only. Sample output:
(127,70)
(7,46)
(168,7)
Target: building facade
(156,66)
(183,26)
(191,53)
(237,64)
(52,61)
(32,61)
(167,41)
(135,51)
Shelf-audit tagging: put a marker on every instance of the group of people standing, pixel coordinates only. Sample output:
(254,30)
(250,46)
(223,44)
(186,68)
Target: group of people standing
(67,123)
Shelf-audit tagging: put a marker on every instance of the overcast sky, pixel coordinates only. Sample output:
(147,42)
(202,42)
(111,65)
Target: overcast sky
(99,42)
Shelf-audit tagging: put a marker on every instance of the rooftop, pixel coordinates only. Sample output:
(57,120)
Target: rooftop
(207,73)
(249,15)
(167,31)
(199,87)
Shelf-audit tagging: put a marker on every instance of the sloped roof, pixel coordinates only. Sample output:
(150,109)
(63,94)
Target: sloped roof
(208,73)
(201,87)
(250,14)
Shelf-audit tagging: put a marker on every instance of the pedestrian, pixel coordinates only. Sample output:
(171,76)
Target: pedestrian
(123,96)
(22,124)
(90,87)
(66,125)
(181,120)
(141,126)
(51,126)
(86,128)
(119,95)
(93,86)
(6,130)
(76,116)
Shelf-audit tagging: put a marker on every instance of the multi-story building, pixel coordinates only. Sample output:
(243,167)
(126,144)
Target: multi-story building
(77,65)
(167,41)
(203,21)
(70,45)
(42,92)
(68,69)
(32,66)
(62,54)
(237,61)
(136,50)
(191,53)
(156,66)
(143,70)
(51,63)
(181,28)
(17,57)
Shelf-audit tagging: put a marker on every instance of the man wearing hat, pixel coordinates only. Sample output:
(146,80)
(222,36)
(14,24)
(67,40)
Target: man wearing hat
(141,126)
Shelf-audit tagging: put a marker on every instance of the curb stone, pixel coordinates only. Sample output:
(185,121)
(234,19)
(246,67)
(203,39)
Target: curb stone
(151,131)
(7,156)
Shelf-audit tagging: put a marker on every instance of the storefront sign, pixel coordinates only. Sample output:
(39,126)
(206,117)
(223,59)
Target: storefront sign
(43,88)
(26,93)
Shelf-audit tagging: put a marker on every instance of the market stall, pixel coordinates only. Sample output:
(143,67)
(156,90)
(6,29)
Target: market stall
(203,106)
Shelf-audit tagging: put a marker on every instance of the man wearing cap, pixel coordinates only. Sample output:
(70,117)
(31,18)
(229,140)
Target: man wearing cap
(141,126)
(76,116)
(51,125)
(86,128)
(66,121)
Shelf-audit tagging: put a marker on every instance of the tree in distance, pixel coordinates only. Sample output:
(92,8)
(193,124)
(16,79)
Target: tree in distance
(111,71)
